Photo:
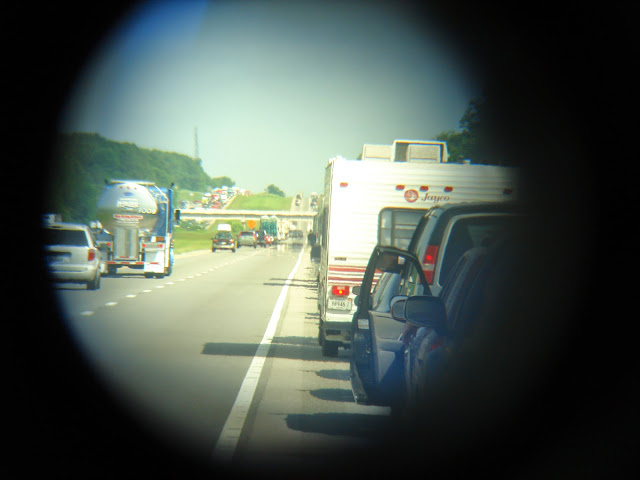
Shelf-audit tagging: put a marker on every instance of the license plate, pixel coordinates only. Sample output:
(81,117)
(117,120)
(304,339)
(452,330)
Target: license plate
(339,304)
(59,258)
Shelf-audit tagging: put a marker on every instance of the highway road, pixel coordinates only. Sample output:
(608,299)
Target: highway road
(221,358)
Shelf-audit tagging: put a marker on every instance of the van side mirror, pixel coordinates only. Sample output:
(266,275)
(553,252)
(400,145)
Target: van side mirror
(426,311)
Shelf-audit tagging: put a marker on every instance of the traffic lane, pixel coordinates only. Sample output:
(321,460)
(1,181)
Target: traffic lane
(75,299)
(154,351)
(303,414)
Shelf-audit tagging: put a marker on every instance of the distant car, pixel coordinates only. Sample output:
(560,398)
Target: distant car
(261,238)
(223,241)
(247,239)
(72,254)
(296,236)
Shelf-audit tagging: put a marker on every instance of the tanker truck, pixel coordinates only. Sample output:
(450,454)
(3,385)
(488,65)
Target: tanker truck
(138,218)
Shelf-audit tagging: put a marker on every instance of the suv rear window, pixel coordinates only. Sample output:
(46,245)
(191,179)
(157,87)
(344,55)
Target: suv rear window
(466,233)
(70,238)
(224,235)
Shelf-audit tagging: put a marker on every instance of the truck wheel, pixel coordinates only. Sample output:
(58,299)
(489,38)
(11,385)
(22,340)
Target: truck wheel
(213,250)
(148,275)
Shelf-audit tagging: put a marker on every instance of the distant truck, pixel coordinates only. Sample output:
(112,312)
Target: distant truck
(270,226)
(369,202)
(139,220)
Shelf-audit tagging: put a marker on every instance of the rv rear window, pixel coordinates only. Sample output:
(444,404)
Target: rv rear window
(396,226)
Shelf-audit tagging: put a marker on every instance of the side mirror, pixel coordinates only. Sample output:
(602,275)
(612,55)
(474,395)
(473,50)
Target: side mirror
(397,305)
(177,215)
(356,291)
(426,311)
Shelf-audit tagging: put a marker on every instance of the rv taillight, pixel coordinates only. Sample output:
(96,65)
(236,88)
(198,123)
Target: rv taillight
(448,189)
(399,187)
(424,188)
(344,184)
(340,290)
(91,256)
(429,262)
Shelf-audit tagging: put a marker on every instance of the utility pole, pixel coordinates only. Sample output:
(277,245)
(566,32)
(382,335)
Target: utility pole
(196,153)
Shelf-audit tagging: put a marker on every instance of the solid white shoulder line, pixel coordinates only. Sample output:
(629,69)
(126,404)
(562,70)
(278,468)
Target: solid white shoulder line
(226,444)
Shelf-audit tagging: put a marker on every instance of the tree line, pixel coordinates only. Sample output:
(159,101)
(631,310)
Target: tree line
(478,138)
(82,161)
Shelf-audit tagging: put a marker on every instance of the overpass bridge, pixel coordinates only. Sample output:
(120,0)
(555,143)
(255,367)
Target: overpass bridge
(212,214)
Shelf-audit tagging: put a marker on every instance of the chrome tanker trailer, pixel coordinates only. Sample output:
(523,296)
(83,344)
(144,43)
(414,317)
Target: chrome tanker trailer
(139,219)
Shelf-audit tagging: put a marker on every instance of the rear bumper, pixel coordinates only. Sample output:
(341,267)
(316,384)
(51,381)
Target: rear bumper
(224,247)
(71,274)
(337,328)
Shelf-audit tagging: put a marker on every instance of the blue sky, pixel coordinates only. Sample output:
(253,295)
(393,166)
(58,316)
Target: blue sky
(274,88)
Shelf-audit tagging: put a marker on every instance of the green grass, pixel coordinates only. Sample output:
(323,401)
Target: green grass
(261,201)
(187,195)
(190,240)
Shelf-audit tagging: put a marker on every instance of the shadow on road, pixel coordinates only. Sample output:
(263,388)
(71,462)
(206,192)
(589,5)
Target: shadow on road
(334,374)
(333,394)
(294,348)
(349,424)
(280,282)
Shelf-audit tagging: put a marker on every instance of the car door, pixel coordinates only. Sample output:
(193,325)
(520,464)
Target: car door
(377,353)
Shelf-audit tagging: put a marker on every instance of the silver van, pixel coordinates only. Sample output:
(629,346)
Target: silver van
(72,255)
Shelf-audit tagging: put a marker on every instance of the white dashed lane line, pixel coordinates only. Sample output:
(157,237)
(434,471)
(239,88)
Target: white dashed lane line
(88,313)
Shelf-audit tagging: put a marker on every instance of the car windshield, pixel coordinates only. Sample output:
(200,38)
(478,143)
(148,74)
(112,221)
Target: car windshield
(71,238)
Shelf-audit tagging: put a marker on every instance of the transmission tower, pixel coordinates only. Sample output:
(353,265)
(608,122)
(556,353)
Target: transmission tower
(196,150)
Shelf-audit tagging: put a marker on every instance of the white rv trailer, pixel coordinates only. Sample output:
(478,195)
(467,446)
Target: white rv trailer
(373,202)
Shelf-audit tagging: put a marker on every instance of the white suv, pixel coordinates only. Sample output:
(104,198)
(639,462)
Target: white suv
(72,255)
